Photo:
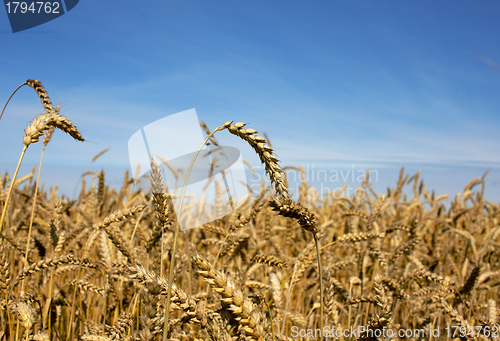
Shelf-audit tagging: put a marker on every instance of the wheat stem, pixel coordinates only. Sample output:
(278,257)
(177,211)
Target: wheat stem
(32,215)
(11,187)
(12,94)
(176,233)
(321,321)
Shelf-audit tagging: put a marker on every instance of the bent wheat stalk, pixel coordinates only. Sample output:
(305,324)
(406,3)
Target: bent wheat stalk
(272,168)
(8,99)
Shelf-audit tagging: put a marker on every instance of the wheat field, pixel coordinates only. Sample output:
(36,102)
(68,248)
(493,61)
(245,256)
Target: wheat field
(112,264)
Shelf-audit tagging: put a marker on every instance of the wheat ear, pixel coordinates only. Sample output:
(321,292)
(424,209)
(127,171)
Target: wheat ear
(32,134)
(265,153)
(243,308)
(42,94)
(5,277)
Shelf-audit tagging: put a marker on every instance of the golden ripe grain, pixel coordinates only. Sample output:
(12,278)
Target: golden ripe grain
(96,267)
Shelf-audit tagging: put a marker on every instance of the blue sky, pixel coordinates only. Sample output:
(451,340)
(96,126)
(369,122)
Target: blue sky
(336,85)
